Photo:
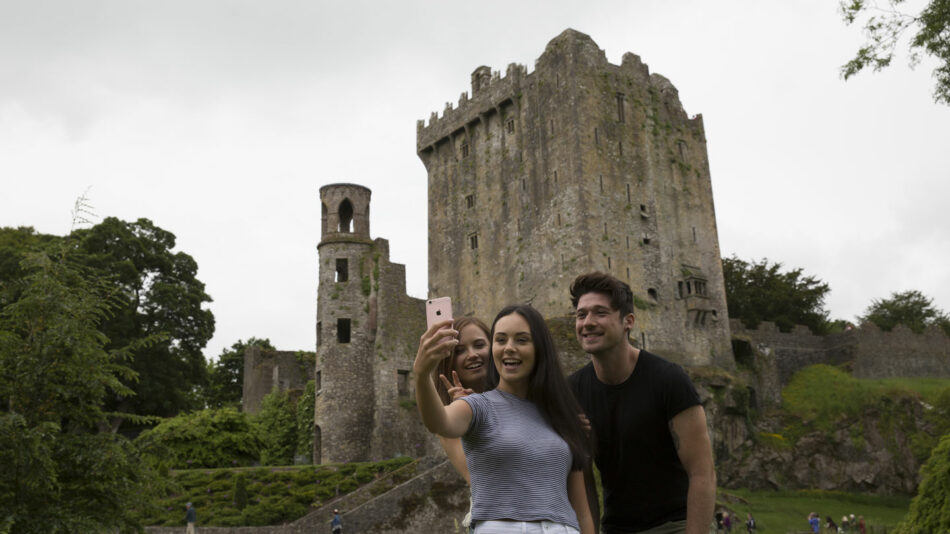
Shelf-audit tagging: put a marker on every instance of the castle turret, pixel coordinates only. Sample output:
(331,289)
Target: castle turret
(367,331)
(345,334)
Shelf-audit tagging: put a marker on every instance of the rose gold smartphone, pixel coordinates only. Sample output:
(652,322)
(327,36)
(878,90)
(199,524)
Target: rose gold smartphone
(438,310)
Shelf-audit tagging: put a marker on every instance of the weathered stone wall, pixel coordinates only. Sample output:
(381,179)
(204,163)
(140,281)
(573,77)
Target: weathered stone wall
(267,370)
(581,165)
(901,352)
(871,352)
(397,427)
(798,348)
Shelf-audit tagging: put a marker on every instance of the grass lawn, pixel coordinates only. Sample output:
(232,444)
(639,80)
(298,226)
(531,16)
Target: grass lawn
(786,511)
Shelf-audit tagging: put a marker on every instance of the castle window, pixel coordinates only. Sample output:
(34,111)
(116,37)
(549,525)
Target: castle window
(524,185)
(679,288)
(559,219)
(464,150)
(318,381)
(555,177)
(342,272)
(694,234)
(628,273)
(319,332)
(689,288)
(343,330)
(510,125)
(402,382)
(470,201)
(628,193)
(346,215)
(643,340)
(628,241)
(551,123)
(620,107)
(608,263)
(646,240)
(652,293)
(601,183)
(473,241)
(620,147)
(643,212)
(596,137)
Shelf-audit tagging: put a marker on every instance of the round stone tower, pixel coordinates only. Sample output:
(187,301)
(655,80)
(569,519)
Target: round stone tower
(345,404)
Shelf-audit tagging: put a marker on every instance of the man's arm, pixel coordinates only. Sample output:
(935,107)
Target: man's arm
(691,439)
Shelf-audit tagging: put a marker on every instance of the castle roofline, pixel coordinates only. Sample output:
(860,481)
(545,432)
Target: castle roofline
(344,184)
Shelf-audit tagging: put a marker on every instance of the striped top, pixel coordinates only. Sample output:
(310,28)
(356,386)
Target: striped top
(518,464)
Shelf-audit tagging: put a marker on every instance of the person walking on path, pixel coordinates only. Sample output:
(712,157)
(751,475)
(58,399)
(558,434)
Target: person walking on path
(191,517)
(750,524)
(336,525)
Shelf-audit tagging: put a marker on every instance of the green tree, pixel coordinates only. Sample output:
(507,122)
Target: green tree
(161,296)
(278,428)
(226,375)
(910,308)
(930,510)
(760,291)
(158,297)
(59,473)
(885,27)
(208,438)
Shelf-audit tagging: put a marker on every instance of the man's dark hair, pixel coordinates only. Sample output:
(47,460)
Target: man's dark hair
(621,297)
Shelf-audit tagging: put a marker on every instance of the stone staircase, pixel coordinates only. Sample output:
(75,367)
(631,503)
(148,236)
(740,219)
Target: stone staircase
(424,496)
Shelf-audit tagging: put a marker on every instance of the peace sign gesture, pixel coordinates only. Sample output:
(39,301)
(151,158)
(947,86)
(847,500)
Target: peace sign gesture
(456,390)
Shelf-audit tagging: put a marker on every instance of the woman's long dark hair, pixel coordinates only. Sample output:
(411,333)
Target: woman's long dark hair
(447,365)
(547,386)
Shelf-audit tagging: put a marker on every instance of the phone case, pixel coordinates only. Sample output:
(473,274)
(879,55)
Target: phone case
(438,310)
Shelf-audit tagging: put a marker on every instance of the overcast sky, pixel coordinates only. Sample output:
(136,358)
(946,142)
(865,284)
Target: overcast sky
(220,120)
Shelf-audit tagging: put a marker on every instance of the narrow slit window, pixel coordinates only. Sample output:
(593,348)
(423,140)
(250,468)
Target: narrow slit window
(601,183)
(510,125)
(620,117)
(343,330)
(464,150)
(470,201)
(402,382)
(473,241)
(628,193)
(318,382)
(342,271)
(596,137)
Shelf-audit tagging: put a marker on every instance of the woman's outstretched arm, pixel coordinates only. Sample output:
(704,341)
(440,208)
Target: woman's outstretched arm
(449,421)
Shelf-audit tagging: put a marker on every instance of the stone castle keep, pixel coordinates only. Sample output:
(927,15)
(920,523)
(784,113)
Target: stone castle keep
(580,165)
(534,178)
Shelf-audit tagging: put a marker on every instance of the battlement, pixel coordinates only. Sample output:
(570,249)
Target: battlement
(489,90)
(871,352)
(564,56)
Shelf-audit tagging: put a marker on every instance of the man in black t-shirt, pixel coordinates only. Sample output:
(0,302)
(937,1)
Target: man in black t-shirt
(652,445)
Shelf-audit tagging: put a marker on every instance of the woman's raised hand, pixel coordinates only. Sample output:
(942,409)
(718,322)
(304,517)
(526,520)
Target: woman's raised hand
(456,390)
(436,343)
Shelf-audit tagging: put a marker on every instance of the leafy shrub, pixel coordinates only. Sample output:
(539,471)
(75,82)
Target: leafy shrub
(930,510)
(240,491)
(204,439)
(278,428)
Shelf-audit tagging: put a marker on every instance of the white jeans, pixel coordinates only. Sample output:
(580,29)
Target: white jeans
(523,527)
